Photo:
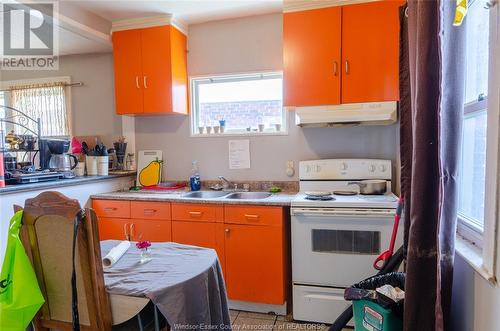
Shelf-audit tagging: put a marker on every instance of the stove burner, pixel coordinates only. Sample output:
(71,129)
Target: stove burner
(319,198)
(345,192)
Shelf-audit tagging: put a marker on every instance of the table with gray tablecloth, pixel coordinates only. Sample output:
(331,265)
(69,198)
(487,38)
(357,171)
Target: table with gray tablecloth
(184,282)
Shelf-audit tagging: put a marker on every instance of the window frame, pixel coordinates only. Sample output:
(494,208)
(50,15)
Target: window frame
(467,227)
(45,80)
(481,254)
(195,81)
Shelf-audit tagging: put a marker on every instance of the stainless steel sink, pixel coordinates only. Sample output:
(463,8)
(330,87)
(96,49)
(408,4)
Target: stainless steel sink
(248,195)
(205,194)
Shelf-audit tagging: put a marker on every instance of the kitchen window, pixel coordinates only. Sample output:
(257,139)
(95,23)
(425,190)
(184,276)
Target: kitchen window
(44,99)
(472,179)
(249,104)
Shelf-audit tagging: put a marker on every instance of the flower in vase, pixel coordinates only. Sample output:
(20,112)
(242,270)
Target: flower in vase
(143,244)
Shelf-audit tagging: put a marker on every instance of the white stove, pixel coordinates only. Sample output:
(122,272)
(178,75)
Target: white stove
(386,201)
(336,241)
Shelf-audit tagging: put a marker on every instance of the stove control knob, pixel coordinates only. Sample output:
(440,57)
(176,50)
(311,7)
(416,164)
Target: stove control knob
(308,168)
(382,168)
(343,166)
(372,168)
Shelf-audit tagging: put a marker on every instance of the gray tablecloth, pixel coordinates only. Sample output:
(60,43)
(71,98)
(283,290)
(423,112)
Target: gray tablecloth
(184,282)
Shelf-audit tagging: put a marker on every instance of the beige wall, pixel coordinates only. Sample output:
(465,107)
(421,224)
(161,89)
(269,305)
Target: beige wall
(237,45)
(245,45)
(92,105)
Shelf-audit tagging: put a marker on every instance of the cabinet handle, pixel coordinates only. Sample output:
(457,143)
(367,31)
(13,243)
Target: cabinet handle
(252,217)
(227,231)
(126,231)
(195,213)
(132,231)
(109,209)
(347,67)
(335,71)
(145,81)
(137,82)
(149,211)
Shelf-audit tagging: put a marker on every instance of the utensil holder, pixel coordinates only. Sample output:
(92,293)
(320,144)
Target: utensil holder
(91,163)
(102,165)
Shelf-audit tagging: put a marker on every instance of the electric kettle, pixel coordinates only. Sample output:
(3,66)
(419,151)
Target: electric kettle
(62,162)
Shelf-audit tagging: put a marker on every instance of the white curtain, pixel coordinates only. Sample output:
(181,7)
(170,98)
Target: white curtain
(44,101)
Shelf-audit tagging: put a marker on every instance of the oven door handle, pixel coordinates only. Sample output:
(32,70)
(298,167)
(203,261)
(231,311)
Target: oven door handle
(343,212)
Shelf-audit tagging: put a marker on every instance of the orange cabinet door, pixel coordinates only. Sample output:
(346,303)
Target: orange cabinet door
(208,235)
(152,230)
(255,263)
(128,72)
(370,52)
(311,57)
(164,67)
(112,208)
(113,228)
(156,69)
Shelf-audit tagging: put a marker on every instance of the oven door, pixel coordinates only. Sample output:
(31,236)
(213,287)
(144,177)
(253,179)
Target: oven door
(337,246)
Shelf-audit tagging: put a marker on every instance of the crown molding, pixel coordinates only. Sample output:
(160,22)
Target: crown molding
(148,22)
(301,5)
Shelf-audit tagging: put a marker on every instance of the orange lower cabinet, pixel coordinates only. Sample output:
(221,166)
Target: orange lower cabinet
(200,234)
(255,263)
(152,230)
(113,228)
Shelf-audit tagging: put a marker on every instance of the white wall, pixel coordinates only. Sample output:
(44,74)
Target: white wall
(245,45)
(92,105)
(237,45)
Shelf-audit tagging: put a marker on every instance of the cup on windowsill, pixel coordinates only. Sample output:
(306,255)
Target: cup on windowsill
(201,129)
(216,129)
(261,127)
(209,129)
(278,127)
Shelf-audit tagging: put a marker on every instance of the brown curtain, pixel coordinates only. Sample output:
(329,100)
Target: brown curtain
(430,133)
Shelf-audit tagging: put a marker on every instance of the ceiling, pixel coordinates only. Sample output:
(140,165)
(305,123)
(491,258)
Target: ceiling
(84,26)
(188,11)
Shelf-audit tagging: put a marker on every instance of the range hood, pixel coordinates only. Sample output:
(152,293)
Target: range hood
(351,114)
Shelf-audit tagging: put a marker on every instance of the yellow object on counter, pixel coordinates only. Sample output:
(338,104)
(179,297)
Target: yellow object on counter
(460,12)
(151,174)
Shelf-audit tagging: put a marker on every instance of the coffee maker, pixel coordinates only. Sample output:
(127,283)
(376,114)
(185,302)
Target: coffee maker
(54,155)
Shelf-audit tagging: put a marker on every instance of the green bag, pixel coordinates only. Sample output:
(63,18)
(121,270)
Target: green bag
(20,296)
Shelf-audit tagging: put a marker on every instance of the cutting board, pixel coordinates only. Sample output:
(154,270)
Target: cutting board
(149,173)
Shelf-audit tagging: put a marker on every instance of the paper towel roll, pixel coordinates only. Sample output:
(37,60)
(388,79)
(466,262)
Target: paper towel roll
(115,254)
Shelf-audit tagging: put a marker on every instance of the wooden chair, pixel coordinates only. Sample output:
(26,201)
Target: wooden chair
(47,234)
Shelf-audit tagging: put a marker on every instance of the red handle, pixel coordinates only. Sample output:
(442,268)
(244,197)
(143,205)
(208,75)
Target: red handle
(388,253)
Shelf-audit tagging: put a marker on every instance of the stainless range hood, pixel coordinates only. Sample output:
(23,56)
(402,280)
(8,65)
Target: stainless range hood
(352,114)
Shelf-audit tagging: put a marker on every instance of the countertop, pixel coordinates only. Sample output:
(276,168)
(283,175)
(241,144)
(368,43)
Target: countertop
(276,199)
(61,182)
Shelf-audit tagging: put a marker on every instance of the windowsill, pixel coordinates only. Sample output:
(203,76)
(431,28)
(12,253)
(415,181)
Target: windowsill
(240,134)
(473,255)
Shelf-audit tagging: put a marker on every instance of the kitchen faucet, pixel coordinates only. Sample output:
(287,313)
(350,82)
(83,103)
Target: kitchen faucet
(227,183)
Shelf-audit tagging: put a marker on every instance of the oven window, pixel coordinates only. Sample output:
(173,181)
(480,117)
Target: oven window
(344,241)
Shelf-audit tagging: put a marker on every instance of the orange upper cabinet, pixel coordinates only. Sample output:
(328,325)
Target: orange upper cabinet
(342,54)
(370,52)
(150,71)
(312,57)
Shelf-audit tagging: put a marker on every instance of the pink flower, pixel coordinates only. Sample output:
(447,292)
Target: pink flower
(143,244)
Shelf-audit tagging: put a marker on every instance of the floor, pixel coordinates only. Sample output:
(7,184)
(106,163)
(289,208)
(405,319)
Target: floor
(242,320)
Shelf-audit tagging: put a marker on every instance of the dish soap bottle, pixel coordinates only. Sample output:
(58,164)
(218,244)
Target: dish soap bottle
(194,180)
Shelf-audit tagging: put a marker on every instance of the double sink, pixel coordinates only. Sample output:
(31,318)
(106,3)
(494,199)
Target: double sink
(227,195)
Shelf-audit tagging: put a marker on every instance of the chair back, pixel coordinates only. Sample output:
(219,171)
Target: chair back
(48,224)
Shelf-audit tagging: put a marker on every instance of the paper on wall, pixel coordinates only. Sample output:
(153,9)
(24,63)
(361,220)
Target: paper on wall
(239,154)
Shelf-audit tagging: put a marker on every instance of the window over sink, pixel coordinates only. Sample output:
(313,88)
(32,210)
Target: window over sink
(248,104)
